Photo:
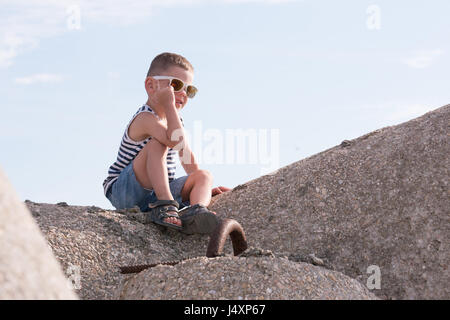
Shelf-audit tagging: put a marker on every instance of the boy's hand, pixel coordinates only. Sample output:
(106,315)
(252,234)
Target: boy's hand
(162,93)
(219,190)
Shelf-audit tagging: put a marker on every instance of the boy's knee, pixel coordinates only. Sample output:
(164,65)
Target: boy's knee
(202,174)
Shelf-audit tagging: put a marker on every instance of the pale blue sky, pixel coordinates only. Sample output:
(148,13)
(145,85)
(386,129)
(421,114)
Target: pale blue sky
(317,72)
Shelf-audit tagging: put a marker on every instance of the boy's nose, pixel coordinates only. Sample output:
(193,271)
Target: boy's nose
(182,95)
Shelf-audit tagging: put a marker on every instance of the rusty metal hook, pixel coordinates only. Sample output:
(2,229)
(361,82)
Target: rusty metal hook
(219,237)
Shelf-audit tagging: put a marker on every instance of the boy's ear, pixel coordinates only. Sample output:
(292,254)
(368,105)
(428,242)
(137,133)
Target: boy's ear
(148,82)
(149,86)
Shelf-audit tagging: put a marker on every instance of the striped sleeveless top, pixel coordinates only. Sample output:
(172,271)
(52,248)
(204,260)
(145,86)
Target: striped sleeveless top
(129,149)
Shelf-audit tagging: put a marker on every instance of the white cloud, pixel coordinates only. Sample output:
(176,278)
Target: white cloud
(423,59)
(24,23)
(39,78)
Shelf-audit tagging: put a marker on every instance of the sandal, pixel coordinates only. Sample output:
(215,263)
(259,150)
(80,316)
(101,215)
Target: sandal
(160,211)
(197,219)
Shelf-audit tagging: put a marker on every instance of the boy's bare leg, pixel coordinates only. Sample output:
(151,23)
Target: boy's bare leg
(197,188)
(150,169)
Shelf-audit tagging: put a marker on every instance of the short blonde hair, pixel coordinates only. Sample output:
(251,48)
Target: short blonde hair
(166,60)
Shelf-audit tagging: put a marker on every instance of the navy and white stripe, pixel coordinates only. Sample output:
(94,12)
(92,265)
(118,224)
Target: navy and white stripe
(129,149)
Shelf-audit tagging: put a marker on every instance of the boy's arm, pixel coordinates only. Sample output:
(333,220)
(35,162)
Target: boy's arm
(170,134)
(187,159)
(146,124)
(175,131)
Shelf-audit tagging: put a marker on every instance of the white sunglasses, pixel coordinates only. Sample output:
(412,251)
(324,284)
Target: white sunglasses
(179,85)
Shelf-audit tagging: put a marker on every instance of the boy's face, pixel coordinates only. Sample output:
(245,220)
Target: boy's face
(179,73)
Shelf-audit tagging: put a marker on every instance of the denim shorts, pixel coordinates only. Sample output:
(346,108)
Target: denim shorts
(127,192)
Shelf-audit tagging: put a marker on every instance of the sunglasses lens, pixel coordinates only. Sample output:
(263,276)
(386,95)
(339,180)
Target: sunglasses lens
(177,84)
(191,91)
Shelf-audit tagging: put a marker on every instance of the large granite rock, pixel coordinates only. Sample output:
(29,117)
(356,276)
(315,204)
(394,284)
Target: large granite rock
(381,199)
(98,242)
(28,269)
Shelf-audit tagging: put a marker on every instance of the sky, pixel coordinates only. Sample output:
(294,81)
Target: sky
(279,81)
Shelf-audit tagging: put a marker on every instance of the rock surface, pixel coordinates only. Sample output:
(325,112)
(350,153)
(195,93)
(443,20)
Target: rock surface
(28,269)
(237,278)
(381,199)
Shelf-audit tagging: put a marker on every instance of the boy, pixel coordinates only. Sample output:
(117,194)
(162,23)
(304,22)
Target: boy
(144,171)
